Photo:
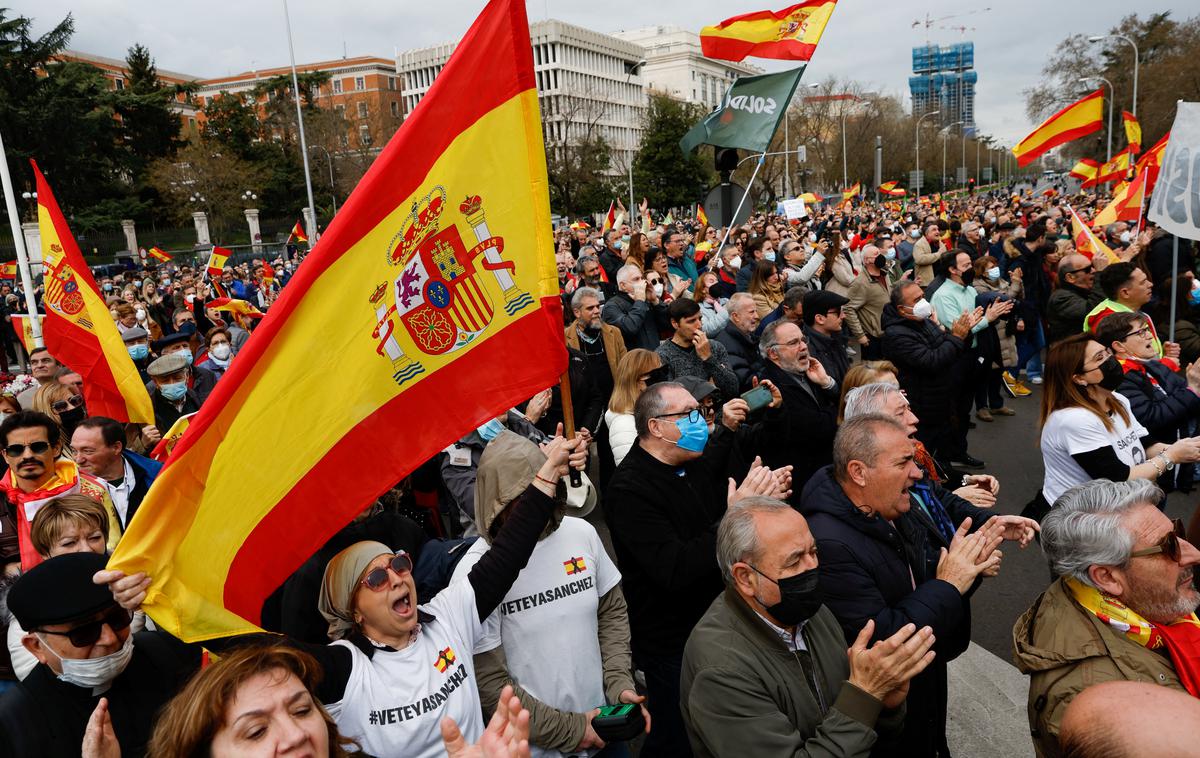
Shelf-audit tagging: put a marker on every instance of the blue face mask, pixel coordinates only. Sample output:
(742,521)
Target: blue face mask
(138,352)
(1194,295)
(490,430)
(890,254)
(173,391)
(993,273)
(769,256)
(693,435)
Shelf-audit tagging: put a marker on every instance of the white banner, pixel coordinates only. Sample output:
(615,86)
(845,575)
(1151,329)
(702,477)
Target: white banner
(794,208)
(1175,204)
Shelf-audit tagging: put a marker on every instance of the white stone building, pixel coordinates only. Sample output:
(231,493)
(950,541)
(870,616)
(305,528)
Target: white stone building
(675,66)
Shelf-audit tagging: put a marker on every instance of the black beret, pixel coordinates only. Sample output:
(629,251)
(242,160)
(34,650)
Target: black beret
(59,590)
(822,301)
(167,340)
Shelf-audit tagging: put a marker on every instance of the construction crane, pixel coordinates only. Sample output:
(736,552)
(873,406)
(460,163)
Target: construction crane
(929,22)
(960,29)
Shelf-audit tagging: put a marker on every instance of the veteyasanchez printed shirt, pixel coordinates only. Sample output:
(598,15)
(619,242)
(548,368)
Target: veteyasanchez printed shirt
(395,701)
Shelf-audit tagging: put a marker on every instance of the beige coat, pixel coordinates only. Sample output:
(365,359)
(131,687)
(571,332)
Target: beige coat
(614,343)
(924,256)
(865,309)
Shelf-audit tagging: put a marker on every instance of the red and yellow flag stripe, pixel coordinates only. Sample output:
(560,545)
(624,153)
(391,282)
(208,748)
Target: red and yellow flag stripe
(1086,169)
(1126,204)
(78,329)
(229,518)
(1133,131)
(789,34)
(1078,119)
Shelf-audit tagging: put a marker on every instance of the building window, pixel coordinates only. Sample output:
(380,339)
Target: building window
(337,86)
(396,108)
(340,109)
(360,83)
(362,110)
(120,83)
(364,135)
(392,83)
(345,140)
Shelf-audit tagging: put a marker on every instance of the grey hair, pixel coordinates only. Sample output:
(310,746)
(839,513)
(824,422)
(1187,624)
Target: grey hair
(737,536)
(626,272)
(1086,526)
(738,299)
(652,402)
(585,259)
(767,340)
(857,439)
(581,293)
(897,294)
(868,399)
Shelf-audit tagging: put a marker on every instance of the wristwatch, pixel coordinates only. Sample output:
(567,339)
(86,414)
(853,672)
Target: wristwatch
(1170,464)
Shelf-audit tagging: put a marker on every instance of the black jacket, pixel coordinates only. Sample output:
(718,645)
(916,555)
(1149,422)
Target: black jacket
(663,521)
(165,412)
(1066,309)
(811,414)
(744,357)
(868,569)
(45,717)
(1160,254)
(611,263)
(1169,414)
(829,351)
(638,321)
(925,355)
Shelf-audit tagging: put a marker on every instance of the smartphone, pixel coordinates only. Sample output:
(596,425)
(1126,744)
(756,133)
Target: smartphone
(616,723)
(759,397)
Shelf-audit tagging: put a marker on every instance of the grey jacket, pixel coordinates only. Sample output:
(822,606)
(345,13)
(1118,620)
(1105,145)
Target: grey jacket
(685,362)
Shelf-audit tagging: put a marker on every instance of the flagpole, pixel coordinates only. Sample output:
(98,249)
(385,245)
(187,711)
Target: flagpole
(762,157)
(316,234)
(14,221)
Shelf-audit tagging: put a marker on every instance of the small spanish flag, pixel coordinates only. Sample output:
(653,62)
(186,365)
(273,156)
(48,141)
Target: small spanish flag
(235,306)
(811,197)
(1151,162)
(216,261)
(1126,204)
(158,254)
(1115,170)
(575,565)
(1088,244)
(1086,169)
(852,191)
(298,234)
(701,216)
(268,274)
(8,270)
(891,190)
(163,449)
(444,659)
(1078,119)
(1133,131)
(790,34)
(610,218)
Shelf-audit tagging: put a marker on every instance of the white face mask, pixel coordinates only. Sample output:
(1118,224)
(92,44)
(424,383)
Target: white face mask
(221,351)
(94,672)
(735,261)
(922,309)
(993,273)
(1126,237)
(658,289)
(914,233)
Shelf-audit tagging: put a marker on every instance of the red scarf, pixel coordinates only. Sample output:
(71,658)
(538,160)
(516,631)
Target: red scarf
(925,461)
(67,479)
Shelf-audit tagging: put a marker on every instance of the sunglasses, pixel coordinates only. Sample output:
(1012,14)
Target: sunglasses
(377,578)
(116,618)
(16,450)
(1168,545)
(74,401)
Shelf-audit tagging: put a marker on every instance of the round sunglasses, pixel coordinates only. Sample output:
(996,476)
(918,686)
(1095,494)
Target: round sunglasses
(377,578)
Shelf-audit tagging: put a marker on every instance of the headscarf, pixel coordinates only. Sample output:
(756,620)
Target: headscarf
(341,580)
(506,468)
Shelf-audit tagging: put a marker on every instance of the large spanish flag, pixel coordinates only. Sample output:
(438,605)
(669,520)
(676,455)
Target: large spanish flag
(790,34)
(1086,169)
(1078,119)
(78,329)
(430,305)
(1126,204)
(891,189)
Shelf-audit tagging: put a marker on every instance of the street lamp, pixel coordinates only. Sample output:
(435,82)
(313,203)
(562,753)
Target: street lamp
(1136,55)
(922,118)
(945,136)
(249,197)
(1112,97)
(632,70)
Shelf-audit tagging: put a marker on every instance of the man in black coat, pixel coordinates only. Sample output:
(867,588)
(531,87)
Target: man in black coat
(879,562)
(663,506)
(1074,299)
(924,354)
(738,338)
(611,256)
(46,716)
(635,310)
(810,402)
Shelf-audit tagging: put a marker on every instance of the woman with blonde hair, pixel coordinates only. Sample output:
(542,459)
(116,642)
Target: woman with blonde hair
(637,369)
(61,403)
(765,287)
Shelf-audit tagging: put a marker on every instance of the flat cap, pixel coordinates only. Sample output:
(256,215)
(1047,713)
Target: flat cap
(822,301)
(134,333)
(167,364)
(59,590)
(697,387)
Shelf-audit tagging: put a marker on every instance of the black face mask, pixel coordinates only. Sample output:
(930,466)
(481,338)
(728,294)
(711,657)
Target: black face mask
(881,262)
(968,276)
(70,419)
(1112,374)
(799,597)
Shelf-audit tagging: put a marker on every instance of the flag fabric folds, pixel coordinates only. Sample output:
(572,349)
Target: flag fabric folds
(610,218)
(891,190)
(1151,162)
(216,261)
(790,34)
(24,329)
(1133,131)
(852,191)
(811,197)
(158,254)
(1114,170)
(8,270)
(1085,169)
(268,274)
(1078,119)
(298,234)
(78,329)
(1086,242)
(234,306)
(436,284)
(1126,204)
(748,115)
(701,216)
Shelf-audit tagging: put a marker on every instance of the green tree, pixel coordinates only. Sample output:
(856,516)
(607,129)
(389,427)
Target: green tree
(149,126)
(231,123)
(661,171)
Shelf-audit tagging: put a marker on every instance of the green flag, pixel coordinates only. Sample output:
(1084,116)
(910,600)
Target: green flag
(749,114)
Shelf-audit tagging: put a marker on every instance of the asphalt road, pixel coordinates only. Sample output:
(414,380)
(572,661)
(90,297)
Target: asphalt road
(1009,446)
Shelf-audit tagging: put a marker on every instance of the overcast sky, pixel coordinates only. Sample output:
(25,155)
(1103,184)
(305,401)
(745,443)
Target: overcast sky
(867,40)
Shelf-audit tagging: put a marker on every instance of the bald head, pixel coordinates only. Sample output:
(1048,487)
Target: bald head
(1076,270)
(1099,722)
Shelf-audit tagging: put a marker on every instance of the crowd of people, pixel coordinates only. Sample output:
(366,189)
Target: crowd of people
(760,534)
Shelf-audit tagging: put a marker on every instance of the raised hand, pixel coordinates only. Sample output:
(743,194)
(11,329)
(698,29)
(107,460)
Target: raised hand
(884,669)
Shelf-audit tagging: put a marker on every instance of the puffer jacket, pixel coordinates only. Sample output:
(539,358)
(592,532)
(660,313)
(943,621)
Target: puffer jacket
(925,355)
(1065,649)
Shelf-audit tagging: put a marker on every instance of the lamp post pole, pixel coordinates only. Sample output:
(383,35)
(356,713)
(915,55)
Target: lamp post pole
(1136,56)
(918,130)
(1112,97)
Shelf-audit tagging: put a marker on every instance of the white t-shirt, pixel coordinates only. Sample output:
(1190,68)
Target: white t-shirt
(394,702)
(1076,430)
(548,621)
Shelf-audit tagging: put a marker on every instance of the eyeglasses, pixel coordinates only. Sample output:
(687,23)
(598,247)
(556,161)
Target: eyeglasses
(1085,270)
(116,618)
(1168,545)
(1104,355)
(16,450)
(376,579)
(1145,331)
(692,416)
(74,401)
